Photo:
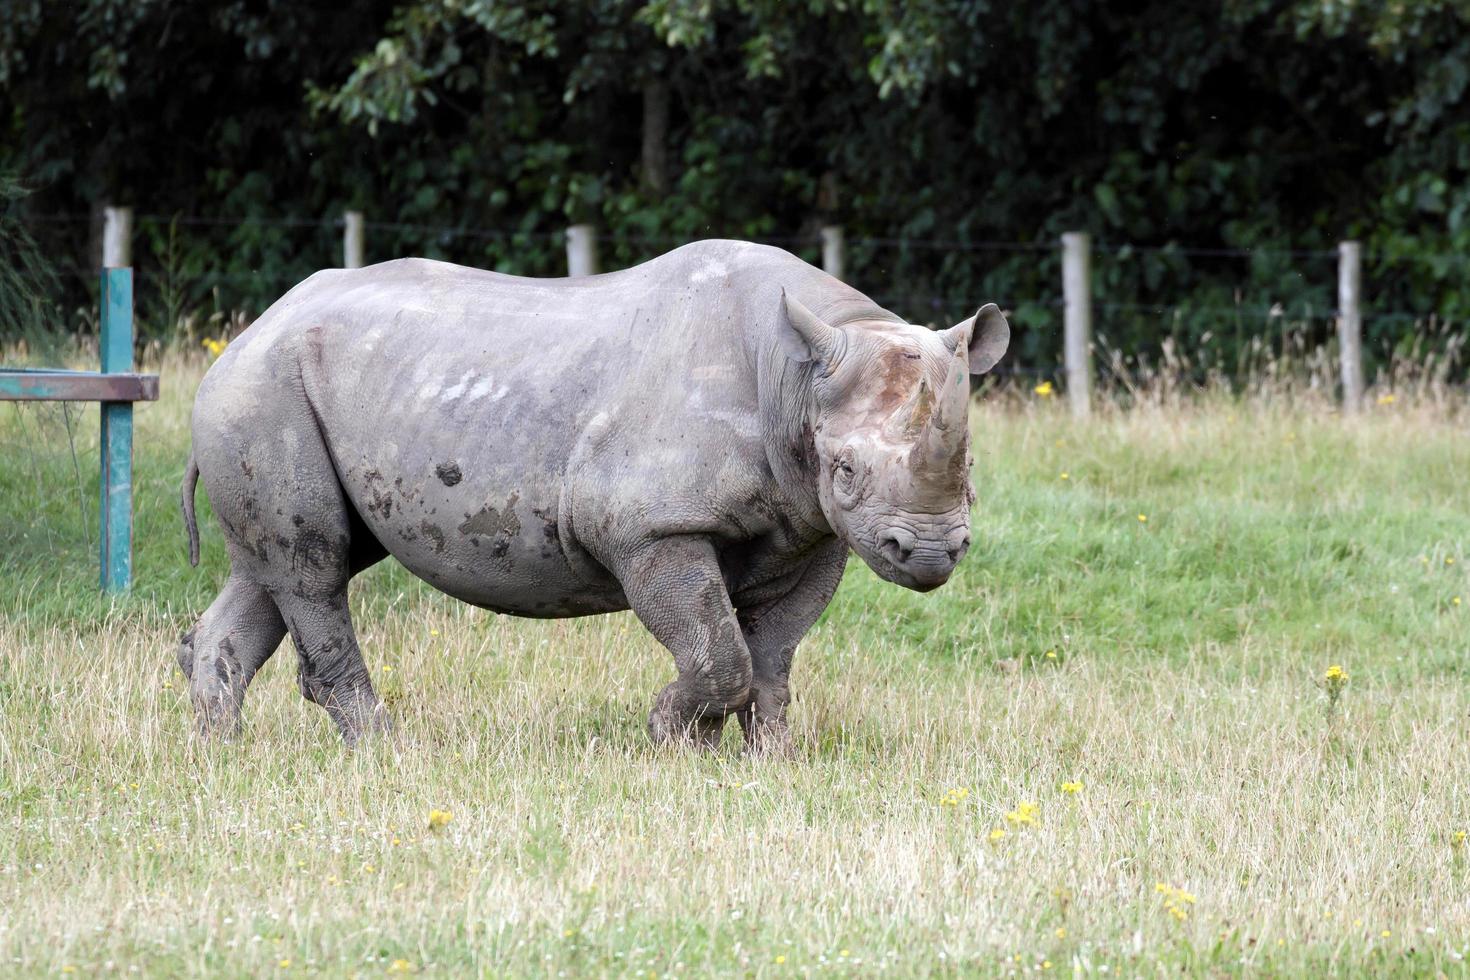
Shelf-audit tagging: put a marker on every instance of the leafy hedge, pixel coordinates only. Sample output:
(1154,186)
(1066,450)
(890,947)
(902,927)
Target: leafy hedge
(1192,134)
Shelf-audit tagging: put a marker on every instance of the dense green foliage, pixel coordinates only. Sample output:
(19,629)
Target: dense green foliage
(926,128)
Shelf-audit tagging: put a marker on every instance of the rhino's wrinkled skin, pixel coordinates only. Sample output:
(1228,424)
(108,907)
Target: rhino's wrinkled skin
(700,439)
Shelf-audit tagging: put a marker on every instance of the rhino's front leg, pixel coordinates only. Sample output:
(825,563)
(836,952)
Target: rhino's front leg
(675,587)
(772,631)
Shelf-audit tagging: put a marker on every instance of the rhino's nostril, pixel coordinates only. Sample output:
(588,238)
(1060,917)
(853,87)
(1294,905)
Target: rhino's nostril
(957,551)
(897,545)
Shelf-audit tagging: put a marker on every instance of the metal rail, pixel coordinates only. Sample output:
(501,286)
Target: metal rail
(116,387)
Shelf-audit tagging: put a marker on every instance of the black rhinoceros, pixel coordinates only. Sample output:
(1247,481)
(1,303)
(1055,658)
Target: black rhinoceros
(700,439)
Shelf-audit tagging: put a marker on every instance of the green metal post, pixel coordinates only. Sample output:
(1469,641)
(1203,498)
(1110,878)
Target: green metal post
(116,539)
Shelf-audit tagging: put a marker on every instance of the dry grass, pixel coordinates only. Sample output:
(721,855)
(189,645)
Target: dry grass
(1183,694)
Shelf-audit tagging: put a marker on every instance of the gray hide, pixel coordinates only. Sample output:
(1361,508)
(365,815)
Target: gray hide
(700,439)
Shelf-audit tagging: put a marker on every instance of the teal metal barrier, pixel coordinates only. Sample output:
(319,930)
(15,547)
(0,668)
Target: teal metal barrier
(117,388)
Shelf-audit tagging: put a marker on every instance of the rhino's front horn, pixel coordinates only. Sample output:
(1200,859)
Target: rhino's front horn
(944,435)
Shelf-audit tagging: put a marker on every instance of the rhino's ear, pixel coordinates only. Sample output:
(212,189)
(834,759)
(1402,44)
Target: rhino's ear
(804,337)
(986,334)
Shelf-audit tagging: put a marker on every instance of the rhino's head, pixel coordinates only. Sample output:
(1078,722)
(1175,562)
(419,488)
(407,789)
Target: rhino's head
(891,436)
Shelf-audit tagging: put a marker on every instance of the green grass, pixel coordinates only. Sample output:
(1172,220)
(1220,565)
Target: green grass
(1171,665)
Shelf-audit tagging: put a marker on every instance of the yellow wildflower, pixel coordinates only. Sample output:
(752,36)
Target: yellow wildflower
(1387,399)
(1143,518)
(1061,932)
(1386,933)
(1045,389)
(1449,561)
(439,819)
(215,347)
(1458,840)
(1065,475)
(997,834)
(433,632)
(1051,655)
(284,964)
(780,960)
(400,966)
(1024,814)
(1175,900)
(1073,787)
(1333,683)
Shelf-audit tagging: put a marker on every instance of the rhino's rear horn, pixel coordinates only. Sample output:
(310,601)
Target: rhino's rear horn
(915,413)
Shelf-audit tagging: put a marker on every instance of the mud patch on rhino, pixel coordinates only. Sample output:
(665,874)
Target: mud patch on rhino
(381,504)
(226,663)
(550,533)
(491,522)
(432,532)
(501,525)
(899,378)
(448,473)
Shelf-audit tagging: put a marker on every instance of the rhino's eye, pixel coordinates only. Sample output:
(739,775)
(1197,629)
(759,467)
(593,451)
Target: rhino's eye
(843,469)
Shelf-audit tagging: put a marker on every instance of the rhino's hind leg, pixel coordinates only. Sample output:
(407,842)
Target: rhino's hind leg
(676,589)
(330,669)
(221,653)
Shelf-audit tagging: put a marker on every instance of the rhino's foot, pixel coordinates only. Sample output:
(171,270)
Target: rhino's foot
(767,738)
(363,724)
(767,734)
(217,717)
(354,708)
(674,721)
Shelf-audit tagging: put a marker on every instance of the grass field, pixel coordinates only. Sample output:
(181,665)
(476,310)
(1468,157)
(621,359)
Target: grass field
(1149,610)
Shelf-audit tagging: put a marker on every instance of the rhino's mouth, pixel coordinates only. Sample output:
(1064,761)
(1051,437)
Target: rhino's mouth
(920,580)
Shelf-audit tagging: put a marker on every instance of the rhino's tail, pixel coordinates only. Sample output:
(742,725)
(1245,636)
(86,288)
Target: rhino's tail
(191,480)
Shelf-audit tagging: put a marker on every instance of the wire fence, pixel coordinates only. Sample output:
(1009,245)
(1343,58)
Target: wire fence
(1145,293)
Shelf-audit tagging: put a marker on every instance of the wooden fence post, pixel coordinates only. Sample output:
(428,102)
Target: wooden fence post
(581,250)
(117,238)
(1077,320)
(353,234)
(833,249)
(115,543)
(1350,323)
